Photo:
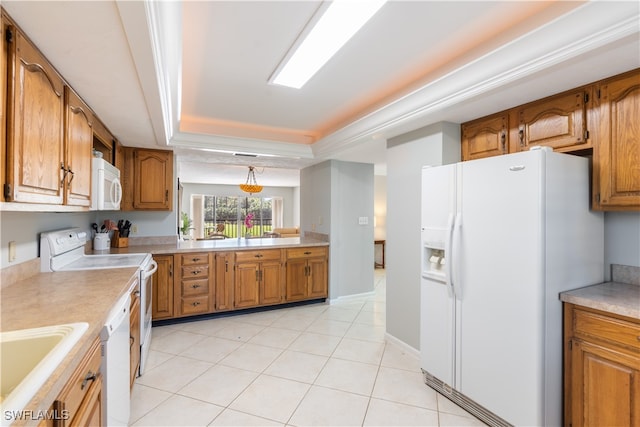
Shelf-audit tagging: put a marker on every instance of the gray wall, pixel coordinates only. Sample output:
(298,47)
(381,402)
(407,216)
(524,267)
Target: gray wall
(406,154)
(621,240)
(334,195)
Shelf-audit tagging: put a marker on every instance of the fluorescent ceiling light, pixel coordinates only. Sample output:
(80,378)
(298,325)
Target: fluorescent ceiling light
(340,21)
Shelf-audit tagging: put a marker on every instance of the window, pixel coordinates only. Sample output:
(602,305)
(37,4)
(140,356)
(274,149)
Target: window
(225,215)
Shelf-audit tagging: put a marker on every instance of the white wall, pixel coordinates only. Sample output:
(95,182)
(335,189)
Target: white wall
(406,154)
(334,195)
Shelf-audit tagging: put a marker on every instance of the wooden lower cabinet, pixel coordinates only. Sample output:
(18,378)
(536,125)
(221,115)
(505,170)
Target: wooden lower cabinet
(195,288)
(602,368)
(81,401)
(210,282)
(134,341)
(306,273)
(225,279)
(258,278)
(162,301)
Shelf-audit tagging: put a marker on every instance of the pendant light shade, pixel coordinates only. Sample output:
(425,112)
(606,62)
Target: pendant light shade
(251,186)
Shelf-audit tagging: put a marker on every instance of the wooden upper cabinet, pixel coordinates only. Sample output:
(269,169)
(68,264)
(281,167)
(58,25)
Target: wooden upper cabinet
(616,160)
(35,135)
(485,137)
(103,141)
(148,179)
(78,147)
(559,122)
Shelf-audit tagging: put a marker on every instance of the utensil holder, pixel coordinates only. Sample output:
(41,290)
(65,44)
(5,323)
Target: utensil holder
(119,242)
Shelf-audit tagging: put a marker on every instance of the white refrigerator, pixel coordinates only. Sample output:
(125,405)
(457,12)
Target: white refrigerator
(501,238)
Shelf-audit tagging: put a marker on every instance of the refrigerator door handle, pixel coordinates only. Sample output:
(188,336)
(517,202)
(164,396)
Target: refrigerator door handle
(455,257)
(448,247)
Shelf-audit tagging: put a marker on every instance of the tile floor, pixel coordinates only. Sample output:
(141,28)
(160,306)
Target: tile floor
(315,365)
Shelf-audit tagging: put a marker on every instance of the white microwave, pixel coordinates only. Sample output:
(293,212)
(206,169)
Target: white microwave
(106,190)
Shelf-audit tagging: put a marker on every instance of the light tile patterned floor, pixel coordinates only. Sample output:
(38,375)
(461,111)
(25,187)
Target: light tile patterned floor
(315,365)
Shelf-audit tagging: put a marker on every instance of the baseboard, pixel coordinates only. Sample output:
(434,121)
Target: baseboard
(401,344)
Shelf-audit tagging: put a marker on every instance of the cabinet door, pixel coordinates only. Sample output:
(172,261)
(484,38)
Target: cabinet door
(296,281)
(162,305)
(4,25)
(558,122)
(134,330)
(318,278)
(605,386)
(90,412)
(270,282)
(34,126)
(617,151)
(153,179)
(246,290)
(485,137)
(78,147)
(224,281)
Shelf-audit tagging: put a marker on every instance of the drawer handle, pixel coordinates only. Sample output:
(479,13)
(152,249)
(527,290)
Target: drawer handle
(194,272)
(195,286)
(195,303)
(258,255)
(91,376)
(307,253)
(132,341)
(195,259)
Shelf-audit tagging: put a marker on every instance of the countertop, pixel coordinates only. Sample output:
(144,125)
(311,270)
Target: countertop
(221,245)
(58,298)
(613,297)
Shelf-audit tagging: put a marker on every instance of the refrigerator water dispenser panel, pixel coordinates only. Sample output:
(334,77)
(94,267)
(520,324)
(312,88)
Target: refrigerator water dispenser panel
(433,264)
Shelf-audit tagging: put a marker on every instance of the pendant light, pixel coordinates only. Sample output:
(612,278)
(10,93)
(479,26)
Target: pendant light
(251,186)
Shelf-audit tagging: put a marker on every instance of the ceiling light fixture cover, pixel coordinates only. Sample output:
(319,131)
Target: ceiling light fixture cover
(251,186)
(339,22)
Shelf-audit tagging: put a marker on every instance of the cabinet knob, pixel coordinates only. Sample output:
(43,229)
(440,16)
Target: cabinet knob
(196,272)
(195,303)
(195,259)
(195,286)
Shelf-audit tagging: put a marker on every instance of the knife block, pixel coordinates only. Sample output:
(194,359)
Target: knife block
(119,242)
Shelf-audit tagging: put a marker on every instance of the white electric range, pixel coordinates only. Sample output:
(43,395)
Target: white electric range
(63,250)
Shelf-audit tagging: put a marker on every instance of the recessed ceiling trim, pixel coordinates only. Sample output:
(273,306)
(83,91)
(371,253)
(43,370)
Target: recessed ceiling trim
(522,57)
(229,144)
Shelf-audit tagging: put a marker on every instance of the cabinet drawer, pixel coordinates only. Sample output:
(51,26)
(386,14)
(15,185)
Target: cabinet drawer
(608,328)
(195,287)
(80,383)
(306,252)
(192,259)
(195,305)
(195,271)
(265,255)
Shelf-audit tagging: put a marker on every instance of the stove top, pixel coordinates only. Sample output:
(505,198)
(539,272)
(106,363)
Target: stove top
(63,250)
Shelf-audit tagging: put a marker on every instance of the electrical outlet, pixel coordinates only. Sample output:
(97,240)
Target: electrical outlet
(12,251)
(134,229)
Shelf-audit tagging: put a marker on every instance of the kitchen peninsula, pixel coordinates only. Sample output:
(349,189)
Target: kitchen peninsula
(203,277)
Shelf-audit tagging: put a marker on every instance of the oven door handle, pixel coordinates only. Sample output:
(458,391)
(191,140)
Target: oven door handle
(148,273)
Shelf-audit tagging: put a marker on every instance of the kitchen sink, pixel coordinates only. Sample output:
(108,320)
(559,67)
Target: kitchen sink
(29,356)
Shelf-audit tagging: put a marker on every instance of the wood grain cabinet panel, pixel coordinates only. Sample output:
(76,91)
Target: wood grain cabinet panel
(224,281)
(78,150)
(602,368)
(616,160)
(163,289)
(258,278)
(196,288)
(306,273)
(559,122)
(485,137)
(35,120)
(151,178)
(81,398)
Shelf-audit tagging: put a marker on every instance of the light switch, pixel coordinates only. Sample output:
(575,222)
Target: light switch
(363,220)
